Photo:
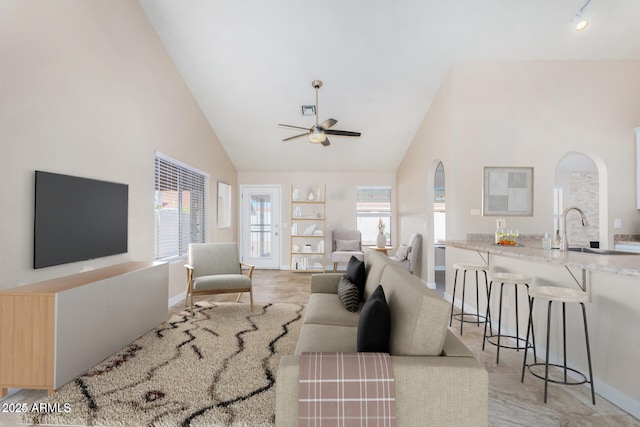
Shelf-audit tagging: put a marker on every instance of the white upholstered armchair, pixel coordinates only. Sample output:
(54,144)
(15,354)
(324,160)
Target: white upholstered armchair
(345,244)
(407,253)
(215,268)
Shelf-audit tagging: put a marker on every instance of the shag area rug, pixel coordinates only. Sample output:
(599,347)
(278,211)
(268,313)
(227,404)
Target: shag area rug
(217,368)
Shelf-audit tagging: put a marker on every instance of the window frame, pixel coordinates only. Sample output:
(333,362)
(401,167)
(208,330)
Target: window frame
(386,215)
(181,177)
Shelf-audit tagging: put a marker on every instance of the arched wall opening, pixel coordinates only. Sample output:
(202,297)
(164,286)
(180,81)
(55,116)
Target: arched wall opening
(581,180)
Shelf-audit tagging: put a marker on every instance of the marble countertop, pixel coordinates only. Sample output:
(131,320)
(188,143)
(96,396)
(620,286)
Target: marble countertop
(626,265)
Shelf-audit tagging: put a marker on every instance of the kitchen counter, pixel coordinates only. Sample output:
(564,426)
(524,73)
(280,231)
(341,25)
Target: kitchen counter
(625,265)
(613,311)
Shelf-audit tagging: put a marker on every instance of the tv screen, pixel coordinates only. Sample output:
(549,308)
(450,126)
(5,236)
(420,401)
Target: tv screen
(77,219)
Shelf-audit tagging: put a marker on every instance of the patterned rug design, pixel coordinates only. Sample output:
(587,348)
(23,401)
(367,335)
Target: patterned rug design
(217,368)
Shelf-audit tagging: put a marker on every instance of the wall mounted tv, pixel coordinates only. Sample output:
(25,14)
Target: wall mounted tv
(77,219)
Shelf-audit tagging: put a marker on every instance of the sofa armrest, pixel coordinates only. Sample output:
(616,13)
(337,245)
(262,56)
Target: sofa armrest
(425,389)
(326,283)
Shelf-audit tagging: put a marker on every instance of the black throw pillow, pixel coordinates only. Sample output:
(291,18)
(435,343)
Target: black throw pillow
(374,325)
(348,294)
(357,274)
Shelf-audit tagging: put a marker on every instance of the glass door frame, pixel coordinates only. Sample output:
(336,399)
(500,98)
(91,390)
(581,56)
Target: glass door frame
(246,191)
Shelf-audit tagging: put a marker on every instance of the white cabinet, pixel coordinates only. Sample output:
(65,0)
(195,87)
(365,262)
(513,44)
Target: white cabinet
(53,331)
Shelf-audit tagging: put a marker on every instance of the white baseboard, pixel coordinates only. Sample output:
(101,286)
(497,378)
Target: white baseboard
(178,298)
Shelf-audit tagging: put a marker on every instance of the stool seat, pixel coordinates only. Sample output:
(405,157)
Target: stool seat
(470,267)
(510,278)
(559,294)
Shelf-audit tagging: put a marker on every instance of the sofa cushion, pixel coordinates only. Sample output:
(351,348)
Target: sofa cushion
(326,338)
(374,324)
(326,309)
(375,263)
(221,281)
(348,294)
(356,274)
(419,316)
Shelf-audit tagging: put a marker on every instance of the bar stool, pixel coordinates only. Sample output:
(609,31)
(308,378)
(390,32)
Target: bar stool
(563,295)
(461,316)
(506,279)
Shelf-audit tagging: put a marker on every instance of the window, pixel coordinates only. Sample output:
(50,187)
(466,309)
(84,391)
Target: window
(180,207)
(372,205)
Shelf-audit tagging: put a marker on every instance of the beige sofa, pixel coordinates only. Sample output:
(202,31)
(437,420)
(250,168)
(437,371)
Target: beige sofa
(438,381)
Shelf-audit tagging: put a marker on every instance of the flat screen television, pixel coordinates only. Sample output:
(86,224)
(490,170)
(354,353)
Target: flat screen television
(78,219)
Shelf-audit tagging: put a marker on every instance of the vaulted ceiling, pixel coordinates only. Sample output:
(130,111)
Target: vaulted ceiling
(250,64)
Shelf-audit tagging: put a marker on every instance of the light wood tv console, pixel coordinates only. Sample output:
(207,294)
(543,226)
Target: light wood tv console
(55,330)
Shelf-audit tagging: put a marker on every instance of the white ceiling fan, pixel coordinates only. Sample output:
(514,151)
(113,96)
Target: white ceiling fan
(318,132)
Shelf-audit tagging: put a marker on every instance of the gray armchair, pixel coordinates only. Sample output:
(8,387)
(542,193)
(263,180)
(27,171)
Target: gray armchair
(345,244)
(215,268)
(407,253)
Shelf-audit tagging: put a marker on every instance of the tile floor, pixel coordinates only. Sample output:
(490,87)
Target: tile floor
(511,403)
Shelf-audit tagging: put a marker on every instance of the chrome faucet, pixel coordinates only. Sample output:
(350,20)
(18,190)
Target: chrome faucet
(583,218)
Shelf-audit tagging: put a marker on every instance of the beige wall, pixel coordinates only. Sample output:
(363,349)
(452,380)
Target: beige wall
(532,114)
(89,90)
(341,198)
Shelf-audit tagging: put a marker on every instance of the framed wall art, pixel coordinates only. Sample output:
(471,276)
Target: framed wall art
(508,191)
(224,205)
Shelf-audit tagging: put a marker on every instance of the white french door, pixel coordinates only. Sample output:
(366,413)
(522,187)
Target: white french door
(260,225)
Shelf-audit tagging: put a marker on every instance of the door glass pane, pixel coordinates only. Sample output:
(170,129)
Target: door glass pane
(260,232)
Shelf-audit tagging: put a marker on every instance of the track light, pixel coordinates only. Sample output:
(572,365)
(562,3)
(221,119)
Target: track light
(580,22)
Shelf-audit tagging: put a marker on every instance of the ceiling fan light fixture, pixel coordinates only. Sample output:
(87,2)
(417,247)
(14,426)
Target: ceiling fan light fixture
(317,137)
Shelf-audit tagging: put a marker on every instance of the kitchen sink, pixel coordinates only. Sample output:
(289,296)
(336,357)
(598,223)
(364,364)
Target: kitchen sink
(601,251)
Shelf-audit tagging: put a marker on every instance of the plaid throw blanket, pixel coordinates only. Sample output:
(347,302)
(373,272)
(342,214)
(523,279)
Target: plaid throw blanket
(346,389)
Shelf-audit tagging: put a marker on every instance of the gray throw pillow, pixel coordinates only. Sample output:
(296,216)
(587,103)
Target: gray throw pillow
(403,252)
(348,245)
(348,294)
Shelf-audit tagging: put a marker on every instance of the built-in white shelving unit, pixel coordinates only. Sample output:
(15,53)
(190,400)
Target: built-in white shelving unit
(308,228)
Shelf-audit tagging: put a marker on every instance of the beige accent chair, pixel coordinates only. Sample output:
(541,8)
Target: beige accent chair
(215,268)
(407,254)
(345,244)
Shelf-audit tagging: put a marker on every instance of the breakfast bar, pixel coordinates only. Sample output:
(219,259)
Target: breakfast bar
(612,281)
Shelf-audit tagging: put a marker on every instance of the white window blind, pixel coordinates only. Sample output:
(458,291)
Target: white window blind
(180,207)
(372,205)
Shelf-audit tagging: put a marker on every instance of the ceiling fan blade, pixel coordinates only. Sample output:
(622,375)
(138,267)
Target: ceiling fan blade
(341,132)
(296,136)
(293,127)
(328,123)
(325,142)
